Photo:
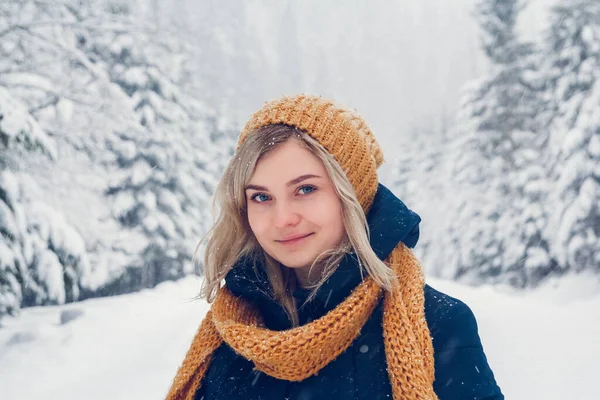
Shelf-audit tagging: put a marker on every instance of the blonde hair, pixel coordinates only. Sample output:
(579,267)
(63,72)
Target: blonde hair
(231,238)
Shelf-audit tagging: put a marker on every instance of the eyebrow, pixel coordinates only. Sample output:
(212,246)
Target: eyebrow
(290,183)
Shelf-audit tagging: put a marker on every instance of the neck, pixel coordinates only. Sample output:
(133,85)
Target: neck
(308,276)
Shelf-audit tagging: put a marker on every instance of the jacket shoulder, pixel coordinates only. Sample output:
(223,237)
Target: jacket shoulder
(461,366)
(451,322)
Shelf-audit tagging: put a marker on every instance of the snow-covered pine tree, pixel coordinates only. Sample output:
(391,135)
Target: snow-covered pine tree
(169,170)
(498,131)
(421,177)
(111,93)
(71,99)
(43,259)
(573,75)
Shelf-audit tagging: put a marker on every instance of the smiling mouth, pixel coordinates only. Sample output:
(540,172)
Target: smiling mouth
(293,241)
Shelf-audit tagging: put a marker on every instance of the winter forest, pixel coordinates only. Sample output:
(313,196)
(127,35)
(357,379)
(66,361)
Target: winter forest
(118,117)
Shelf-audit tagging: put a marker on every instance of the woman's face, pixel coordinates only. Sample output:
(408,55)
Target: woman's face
(293,209)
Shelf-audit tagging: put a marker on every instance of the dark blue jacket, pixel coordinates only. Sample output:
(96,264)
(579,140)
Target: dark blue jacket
(461,368)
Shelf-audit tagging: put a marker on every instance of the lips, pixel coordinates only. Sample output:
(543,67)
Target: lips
(293,239)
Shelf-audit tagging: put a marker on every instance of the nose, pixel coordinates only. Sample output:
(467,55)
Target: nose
(285,216)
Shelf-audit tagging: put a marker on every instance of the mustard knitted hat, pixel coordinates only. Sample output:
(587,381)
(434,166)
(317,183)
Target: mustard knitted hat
(343,132)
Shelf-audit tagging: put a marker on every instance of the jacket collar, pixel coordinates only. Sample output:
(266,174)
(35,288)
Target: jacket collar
(390,222)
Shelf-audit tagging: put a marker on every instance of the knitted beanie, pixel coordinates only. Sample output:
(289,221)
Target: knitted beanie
(343,133)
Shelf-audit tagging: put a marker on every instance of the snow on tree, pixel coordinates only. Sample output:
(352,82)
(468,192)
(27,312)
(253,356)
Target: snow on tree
(164,194)
(168,172)
(19,131)
(72,101)
(573,73)
(487,167)
(43,259)
(522,196)
(105,96)
(421,177)
(498,131)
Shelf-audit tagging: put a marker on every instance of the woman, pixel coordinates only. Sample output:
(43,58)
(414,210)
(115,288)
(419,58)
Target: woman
(322,298)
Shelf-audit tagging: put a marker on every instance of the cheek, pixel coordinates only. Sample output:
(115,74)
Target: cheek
(258,223)
(338,222)
(331,216)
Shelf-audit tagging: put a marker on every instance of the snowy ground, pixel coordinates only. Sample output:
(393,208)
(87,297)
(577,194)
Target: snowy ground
(541,345)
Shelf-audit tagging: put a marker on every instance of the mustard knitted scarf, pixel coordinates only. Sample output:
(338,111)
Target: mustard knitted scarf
(298,353)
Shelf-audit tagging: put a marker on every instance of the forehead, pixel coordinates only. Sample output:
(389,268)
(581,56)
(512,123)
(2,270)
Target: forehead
(286,162)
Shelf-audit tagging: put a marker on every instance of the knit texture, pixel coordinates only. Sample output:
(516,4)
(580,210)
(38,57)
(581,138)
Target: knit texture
(343,132)
(301,352)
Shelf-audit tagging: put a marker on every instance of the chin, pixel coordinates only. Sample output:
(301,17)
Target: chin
(296,262)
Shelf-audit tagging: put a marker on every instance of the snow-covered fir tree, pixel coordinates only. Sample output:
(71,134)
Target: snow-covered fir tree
(499,131)
(168,170)
(421,177)
(43,259)
(573,76)
(523,188)
(487,168)
(110,94)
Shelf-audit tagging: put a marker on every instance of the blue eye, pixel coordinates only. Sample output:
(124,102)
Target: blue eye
(309,187)
(259,197)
